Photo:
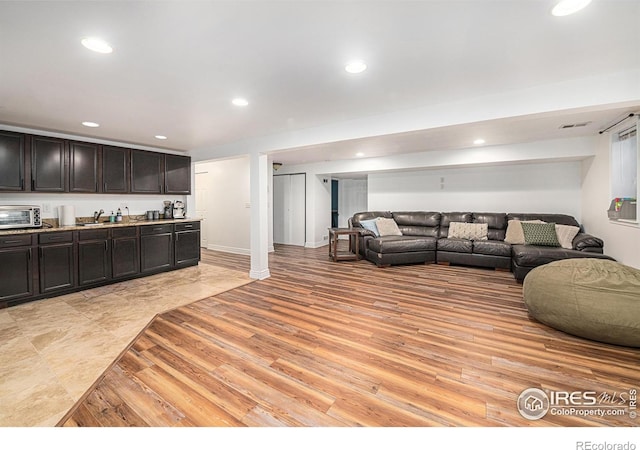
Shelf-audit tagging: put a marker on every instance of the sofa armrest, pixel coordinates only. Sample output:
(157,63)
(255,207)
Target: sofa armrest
(588,243)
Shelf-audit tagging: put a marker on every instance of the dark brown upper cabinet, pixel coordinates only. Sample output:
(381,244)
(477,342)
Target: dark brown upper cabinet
(48,164)
(147,174)
(115,169)
(12,161)
(83,167)
(177,174)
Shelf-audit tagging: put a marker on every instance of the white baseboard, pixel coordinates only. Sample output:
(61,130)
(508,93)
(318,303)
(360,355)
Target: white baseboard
(316,244)
(236,250)
(259,274)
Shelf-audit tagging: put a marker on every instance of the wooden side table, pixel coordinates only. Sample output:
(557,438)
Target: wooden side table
(353,254)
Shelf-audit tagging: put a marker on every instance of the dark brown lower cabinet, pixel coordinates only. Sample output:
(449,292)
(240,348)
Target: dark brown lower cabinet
(57,262)
(156,248)
(94,257)
(187,244)
(125,254)
(17,265)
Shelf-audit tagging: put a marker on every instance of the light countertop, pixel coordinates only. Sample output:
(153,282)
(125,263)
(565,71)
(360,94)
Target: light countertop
(128,223)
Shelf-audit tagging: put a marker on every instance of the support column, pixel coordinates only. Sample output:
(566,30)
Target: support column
(259,217)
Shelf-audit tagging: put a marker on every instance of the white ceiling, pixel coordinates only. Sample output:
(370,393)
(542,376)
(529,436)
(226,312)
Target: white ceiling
(176,66)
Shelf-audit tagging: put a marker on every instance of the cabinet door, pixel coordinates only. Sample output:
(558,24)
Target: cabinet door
(93,262)
(48,172)
(17,273)
(156,252)
(56,267)
(11,161)
(177,174)
(146,172)
(187,248)
(115,169)
(83,167)
(125,259)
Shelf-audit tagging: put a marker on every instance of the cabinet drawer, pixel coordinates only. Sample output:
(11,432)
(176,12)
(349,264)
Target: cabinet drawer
(155,229)
(93,235)
(16,240)
(55,238)
(187,226)
(124,232)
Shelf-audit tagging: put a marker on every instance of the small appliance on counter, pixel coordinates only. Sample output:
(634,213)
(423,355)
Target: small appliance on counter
(168,209)
(18,216)
(67,215)
(179,210)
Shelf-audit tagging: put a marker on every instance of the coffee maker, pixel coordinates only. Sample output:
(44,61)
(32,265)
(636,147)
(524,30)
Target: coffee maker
(168,210)
(178,210)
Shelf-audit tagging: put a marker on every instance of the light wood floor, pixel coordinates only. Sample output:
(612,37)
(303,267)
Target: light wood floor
(349,344)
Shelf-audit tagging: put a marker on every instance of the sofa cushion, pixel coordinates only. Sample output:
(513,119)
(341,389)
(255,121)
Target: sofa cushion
(387,227)
(455,245)
(401,244)
(357,217)
(533,256)
(540,234)
(447,218)
(496,224)
(562,219)
(566,233)
(418,223)
(370,225)
(493,248)
(463,230)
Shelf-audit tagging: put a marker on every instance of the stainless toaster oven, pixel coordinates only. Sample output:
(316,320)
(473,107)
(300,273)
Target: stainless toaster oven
(18,216)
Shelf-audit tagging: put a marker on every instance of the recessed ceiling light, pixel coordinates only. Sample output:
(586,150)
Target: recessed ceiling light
(479,141)
(359,154)
(240,101)
(357,66)
(566,7)
(161,137)
(97,45)
(91,124)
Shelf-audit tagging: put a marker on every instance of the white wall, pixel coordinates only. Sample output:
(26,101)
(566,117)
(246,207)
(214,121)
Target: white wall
(318,210)
(622,242)
(352,198)
(228,209)
(543,188)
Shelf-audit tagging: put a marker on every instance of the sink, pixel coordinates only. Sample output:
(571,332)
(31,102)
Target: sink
(91,224)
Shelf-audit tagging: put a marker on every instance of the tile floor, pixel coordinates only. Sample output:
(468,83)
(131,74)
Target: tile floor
(52,350)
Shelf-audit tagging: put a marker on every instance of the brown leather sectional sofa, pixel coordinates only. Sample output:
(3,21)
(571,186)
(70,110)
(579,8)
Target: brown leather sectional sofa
(425,239)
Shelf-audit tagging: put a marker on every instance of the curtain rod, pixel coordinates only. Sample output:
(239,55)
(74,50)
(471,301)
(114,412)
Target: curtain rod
(618,122)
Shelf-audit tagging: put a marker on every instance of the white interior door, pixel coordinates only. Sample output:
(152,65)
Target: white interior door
(289,209)
(201,206)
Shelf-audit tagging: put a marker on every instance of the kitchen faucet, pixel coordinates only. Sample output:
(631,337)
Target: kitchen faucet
(96,215)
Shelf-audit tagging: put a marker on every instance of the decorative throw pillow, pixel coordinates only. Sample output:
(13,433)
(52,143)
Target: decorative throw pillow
(514,234)
(387,227)
(566,233)
(472,231)
(540,234)
(370,225)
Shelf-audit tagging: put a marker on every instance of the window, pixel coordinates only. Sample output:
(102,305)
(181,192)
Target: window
(624,173)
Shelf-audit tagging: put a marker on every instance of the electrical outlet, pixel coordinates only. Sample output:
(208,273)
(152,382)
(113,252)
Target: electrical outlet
(124,206)
(325,238)
(46,207)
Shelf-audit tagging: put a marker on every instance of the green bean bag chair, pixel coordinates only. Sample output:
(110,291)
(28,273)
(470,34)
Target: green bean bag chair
(592,298)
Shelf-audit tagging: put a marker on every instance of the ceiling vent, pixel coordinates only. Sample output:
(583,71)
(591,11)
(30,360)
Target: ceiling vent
(574,125)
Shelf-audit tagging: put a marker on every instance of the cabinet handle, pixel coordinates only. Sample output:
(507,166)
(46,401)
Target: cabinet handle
(11,242)
(33,184)
(114,243)
(188,226)
(157,229)
(106,246)
(21,183)
(29,254)
(177,237)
